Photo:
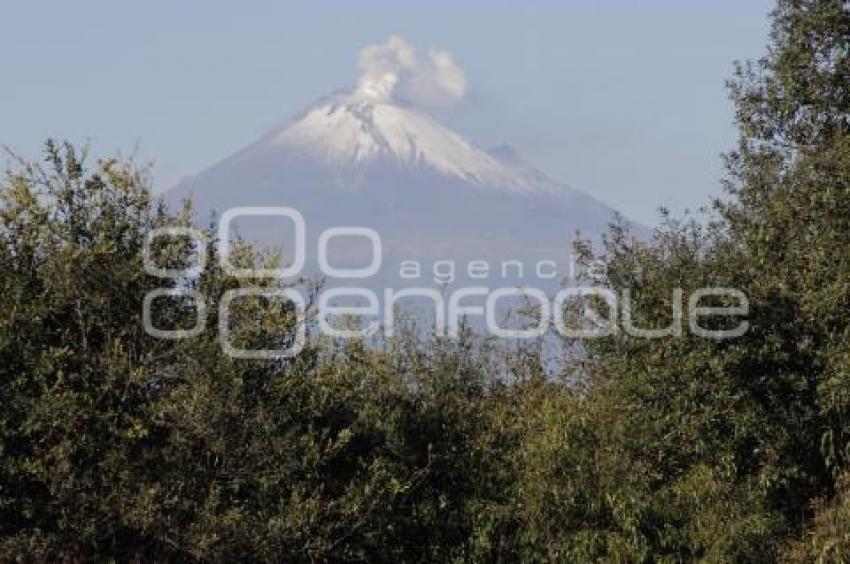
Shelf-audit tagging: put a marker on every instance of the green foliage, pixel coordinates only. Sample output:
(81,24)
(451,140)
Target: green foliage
(828,536)
(117,445)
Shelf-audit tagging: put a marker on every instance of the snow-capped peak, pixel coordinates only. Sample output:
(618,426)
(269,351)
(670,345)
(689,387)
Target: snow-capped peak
(358,130)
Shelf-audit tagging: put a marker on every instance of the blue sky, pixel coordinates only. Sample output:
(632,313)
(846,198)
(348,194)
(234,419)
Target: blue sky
(625,100)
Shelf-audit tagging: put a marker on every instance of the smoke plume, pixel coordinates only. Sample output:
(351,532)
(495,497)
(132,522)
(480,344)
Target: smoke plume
(394,71)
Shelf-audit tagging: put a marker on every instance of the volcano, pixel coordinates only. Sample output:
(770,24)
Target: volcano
(432,195)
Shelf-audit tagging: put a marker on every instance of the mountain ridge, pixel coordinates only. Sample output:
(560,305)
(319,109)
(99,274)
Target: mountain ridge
(431,194)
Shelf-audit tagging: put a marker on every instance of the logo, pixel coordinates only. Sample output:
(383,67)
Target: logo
(602,311)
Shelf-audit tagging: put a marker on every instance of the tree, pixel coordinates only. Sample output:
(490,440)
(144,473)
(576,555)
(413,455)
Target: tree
(763,417)
(118,444)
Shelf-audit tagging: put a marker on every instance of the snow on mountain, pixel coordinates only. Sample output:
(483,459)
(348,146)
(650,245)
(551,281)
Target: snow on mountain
(354,132)
(359,160)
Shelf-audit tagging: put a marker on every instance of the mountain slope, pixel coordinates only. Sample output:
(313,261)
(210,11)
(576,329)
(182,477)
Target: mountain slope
(351,133)
(432,195)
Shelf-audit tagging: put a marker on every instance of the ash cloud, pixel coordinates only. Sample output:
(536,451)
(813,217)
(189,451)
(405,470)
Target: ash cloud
(394,71)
